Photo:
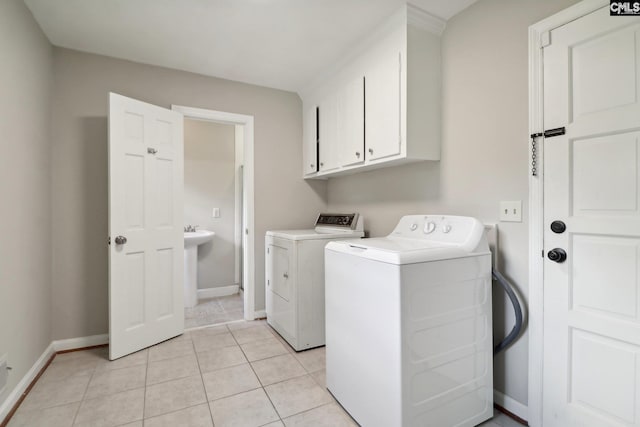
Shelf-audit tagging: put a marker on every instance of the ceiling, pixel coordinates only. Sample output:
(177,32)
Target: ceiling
(282,44)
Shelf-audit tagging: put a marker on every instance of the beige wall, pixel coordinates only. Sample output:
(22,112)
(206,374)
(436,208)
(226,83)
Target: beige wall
(484,152)
(81,84)
(25,172)
(209,181)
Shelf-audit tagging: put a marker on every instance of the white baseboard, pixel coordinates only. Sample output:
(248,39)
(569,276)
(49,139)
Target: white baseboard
(259,314)
(511,405)
(73,343)
(55,346)
(17,392)
(221,291)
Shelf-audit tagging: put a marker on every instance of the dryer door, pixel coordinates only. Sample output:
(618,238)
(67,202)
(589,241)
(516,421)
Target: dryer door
(280,293)
(280,272)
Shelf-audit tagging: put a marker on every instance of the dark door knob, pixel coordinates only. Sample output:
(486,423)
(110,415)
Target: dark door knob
(557,255)
(558,227)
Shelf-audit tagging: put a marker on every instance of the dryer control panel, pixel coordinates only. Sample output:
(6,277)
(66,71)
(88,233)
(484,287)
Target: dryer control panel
(337,220)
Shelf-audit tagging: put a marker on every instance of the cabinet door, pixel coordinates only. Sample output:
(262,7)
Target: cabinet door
(328,136)
(310,143)
(382,107)
(351,122)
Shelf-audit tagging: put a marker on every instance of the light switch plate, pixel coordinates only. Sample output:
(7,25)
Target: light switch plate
(511,211)
(215,212)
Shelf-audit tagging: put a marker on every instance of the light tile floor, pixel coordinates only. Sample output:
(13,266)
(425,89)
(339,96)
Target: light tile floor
(215,311)
(240,374)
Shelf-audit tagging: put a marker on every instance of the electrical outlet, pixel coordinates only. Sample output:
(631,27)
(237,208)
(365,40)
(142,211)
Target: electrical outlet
(215,212)
(4,373)
(511,211)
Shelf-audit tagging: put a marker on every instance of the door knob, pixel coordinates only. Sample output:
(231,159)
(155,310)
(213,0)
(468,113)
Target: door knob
(357,154)
(557,255)
(121,240)
(558,227)
(370,150)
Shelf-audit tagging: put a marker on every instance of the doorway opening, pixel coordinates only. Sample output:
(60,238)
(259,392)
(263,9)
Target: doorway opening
(218,197)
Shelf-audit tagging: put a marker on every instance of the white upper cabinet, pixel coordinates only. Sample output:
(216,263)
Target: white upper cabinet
(351,122)
(381,107)
(328,135)
(310,143)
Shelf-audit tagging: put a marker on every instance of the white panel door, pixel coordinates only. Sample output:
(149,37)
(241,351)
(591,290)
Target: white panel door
(383,107)
(592,184)
(146,161)
(351,122)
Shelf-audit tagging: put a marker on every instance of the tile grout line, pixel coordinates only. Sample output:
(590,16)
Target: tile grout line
(146,375)
(75,417)
(264,390)
(206,395)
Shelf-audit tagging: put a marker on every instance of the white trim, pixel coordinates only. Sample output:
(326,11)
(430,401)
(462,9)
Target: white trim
(510,405)
(536,198)
(424,20)
(238,199)
(260,314)
(218,291)
(82,342)
(22,386)
(248,247)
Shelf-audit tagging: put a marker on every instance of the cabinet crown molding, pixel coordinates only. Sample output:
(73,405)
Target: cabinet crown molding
(424,20)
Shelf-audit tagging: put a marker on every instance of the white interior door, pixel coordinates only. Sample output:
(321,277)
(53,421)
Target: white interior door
(592,184)
(146,161)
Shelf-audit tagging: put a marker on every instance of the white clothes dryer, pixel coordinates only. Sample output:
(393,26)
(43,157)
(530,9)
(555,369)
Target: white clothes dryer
(294,262)
(408,324)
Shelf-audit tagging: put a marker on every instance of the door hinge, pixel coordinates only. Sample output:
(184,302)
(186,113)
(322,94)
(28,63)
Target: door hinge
(109,240)
(542,253)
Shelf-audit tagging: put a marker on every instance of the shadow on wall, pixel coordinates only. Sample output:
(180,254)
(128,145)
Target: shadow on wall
(93,249)
(421,182)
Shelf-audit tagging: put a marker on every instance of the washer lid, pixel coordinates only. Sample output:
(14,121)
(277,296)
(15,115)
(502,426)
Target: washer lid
(315,235)
(397,250)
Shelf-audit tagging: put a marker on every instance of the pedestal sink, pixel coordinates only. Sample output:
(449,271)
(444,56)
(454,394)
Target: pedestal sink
(193,239)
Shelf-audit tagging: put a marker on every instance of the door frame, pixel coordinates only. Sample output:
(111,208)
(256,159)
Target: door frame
(243,124)
(538,37)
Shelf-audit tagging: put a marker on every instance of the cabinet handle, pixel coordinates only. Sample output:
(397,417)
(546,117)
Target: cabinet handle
(357,154)
(370,150)
(321,164)
(311,165)
(286,276)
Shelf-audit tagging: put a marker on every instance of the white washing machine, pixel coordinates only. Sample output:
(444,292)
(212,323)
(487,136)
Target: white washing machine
(294,262)
(408,324)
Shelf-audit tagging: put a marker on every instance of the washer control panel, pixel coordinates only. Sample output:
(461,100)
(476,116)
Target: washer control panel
(445,229)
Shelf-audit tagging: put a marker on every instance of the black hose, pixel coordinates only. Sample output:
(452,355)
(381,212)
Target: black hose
(517,328)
